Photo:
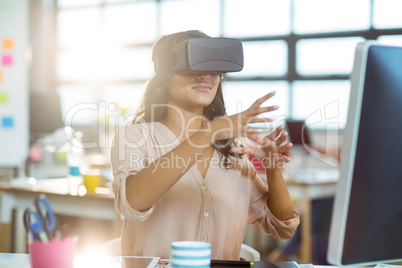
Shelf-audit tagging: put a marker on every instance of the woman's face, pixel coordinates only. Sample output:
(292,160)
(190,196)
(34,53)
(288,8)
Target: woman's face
(192,91)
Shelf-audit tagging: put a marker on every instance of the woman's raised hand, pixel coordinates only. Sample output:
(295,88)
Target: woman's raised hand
(237,124)
(268,149)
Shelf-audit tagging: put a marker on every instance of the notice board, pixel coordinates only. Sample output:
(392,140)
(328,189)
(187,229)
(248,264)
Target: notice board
(14,53)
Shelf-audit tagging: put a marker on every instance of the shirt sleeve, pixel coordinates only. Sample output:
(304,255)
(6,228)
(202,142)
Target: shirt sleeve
(128,157)
(259,212)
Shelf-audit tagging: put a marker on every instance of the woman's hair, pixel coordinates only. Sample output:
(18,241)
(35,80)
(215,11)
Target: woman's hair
(156,93)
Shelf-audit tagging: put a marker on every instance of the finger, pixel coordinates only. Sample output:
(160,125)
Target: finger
(255,137)
(249,131)
(243,150)
(256,119)
(284,148)
(286,158)
(267,109)
(274,134)
(263,99)
(282,138)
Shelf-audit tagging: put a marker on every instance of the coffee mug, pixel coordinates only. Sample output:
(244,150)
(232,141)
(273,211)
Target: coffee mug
(190,254)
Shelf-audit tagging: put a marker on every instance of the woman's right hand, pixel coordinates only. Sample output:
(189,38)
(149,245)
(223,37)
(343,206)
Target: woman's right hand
(237,125)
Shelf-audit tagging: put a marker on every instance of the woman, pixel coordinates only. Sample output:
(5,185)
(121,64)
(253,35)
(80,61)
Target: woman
(179,174)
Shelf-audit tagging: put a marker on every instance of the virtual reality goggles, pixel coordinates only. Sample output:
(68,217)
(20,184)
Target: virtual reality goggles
(205,54)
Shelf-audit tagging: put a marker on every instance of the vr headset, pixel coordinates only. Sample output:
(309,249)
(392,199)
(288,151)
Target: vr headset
(205,54)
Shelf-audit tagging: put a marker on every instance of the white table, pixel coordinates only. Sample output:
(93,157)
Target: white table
(19,194)
(8,260)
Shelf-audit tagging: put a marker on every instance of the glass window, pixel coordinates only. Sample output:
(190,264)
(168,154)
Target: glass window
(323,104)
(84,64)
(105,64)
(126,96)
(130,23)
(128,64)
(239,96)
(314,16)
(79,27)
(183,15)
(387,14)
(79,104)
(264,58)
(395,40)
(77,3)
(256,18)
(326,56)
(122,101)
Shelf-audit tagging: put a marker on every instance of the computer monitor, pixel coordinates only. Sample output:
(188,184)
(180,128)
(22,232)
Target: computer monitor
(366,225)
(44,114)
(299,134)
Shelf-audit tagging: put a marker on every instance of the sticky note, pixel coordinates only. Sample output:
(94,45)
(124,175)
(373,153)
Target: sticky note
(7,122)
(7,60)
(8,43)
(3,97)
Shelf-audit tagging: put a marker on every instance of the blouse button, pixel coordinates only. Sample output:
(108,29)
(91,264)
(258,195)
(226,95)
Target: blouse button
(204,187)
(205,214)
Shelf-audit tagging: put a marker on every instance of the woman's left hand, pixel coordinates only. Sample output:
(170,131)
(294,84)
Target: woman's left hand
(268,149)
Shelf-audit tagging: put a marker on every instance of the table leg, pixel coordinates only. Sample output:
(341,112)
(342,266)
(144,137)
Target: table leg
(5,231)
(306,233)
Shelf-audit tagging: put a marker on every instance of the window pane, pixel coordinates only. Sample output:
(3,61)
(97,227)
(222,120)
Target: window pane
(128,64)
(243,19)
(130,23)
(122,101)
(82,64)
(183,15)
(239,96)
(323,104)
(79,27)
(313,16)
(387,14)
(77,3)
(326,55)
(127,96)
(79,104)
(264,58)
(98,63)
(395,40)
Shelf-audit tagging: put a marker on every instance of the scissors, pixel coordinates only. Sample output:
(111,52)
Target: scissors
(41,222)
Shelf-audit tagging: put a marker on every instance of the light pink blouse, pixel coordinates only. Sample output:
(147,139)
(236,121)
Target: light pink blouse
(215,209)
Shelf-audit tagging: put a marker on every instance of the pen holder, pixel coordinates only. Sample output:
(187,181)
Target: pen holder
(190,254)
(56,253)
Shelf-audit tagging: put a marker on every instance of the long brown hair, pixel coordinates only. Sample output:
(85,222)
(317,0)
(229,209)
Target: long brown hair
(155,93)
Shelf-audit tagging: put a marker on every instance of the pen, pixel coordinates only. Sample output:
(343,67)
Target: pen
(232,263)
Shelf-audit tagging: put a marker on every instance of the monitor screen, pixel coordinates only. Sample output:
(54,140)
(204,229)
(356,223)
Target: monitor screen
(299,134)
(367,216)
(44,114)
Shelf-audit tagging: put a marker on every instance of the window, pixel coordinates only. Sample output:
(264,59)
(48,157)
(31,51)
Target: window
(256,18)
(317,16)
(326,56)
(302,49)
(264,58)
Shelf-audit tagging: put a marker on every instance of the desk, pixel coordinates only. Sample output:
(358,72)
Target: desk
(19,195)
(8,260)
(306,193)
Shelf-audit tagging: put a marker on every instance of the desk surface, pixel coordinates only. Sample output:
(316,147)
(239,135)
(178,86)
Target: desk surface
(11,260)
(19,194)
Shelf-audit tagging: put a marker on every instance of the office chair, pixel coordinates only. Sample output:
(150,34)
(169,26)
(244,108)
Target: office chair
(112,248)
